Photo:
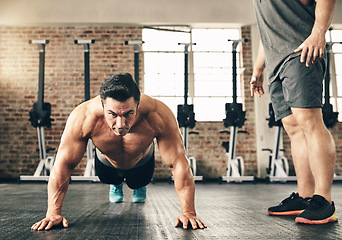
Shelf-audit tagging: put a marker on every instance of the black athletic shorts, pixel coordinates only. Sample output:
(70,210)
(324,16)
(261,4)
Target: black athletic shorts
(136,177)
(297,86)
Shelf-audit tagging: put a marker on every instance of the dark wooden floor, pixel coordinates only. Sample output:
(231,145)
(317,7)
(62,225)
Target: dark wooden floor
(231,211)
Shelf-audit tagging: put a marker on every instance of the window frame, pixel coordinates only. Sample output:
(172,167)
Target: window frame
(192,97)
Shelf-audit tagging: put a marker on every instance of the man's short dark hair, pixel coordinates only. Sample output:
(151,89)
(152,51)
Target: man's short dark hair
(120,87)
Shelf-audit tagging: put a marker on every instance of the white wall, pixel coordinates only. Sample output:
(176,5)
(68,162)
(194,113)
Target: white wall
(24,12)
(192,12)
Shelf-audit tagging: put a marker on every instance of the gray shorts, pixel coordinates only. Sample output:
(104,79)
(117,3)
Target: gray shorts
(297,86)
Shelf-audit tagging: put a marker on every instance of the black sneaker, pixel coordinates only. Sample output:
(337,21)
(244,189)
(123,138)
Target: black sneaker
(319,211)
(290,206)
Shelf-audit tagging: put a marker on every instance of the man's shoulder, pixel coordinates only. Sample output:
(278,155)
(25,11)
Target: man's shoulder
(89,108)
(157,113)
(150,105)
(86,115)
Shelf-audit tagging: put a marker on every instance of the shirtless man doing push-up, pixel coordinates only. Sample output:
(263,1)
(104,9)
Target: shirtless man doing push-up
(122,125)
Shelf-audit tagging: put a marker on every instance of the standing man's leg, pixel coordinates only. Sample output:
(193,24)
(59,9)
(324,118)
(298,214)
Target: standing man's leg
(300,157)
(296,202)
(312,145)
(314,156)
(322,157)
(297,99)
(321,149)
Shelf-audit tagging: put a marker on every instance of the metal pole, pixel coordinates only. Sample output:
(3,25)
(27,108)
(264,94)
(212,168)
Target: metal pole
(40,129)
(136,63)
(41,47)
(186,73)
(275,153)
(234,77)
(234,47)
(86,47)
(136,45)
(86,72)
(186,87)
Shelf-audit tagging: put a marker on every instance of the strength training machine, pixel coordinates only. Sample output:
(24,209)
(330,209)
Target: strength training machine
(235,118)
(40,118)
(89,173)
(186,115)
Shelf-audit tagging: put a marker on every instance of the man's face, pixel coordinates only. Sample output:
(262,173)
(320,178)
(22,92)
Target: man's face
(120,116)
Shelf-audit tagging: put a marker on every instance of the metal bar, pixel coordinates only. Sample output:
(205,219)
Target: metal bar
(186,88)
(136,63)
(186,70)
(275,152)
(168,30)
(186,74)
(86,73)
(86,47)
(41,142)
(41,47)
(234,47)
(34,178)
(186,139)
(42,151)
(41,74)
(136,44)
(234,79)
(232,143)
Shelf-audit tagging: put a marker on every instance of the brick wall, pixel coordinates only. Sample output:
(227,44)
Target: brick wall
(64,83)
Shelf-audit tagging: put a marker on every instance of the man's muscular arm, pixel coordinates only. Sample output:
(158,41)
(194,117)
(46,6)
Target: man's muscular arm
(171,149)
(70,152)
(257,78)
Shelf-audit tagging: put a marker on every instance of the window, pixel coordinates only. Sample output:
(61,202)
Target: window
(210,69)
(335,71)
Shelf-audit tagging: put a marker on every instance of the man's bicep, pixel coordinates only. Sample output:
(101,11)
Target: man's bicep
(71,152)
(170,141)
(171,148)
(72,146)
